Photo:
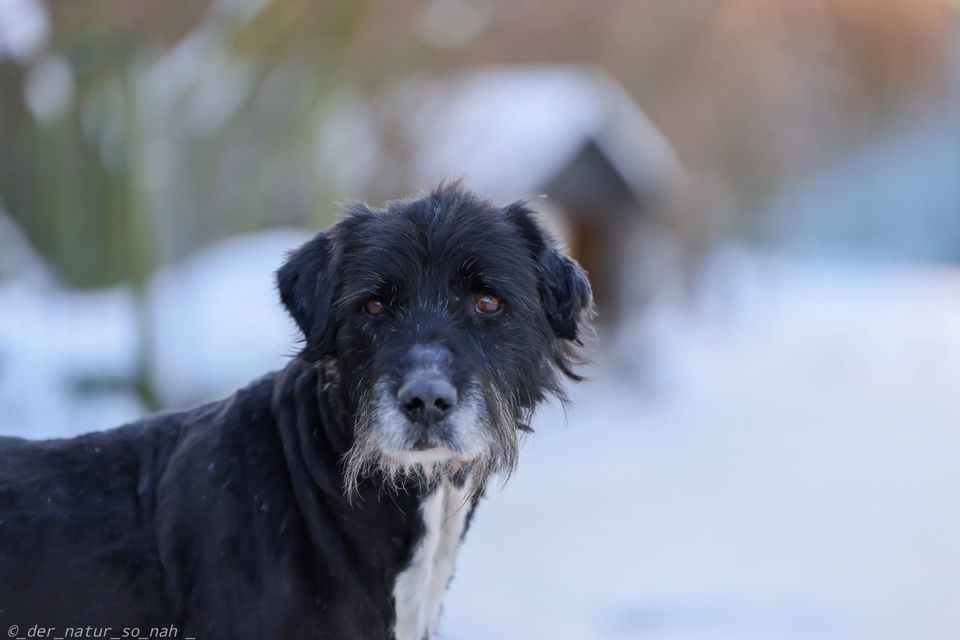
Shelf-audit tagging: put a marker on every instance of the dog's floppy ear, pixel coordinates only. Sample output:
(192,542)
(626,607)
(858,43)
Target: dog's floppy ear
(306,282)
(566,293)
(564,288)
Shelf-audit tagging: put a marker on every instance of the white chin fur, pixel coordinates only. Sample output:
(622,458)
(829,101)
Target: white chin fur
(425,457)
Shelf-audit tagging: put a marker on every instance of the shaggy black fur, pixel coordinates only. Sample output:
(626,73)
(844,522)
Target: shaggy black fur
(234,520)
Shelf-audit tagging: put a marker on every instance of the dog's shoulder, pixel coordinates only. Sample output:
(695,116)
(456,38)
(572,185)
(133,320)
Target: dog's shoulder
(219,434)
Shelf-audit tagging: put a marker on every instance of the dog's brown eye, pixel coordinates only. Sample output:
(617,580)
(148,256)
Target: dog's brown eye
(375,307)
(488,304)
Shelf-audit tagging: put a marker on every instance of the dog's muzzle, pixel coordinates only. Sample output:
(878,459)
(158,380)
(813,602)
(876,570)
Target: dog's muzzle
(426,396)
(422,414)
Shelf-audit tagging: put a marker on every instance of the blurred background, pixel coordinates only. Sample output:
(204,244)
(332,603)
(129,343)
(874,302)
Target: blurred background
(765,193)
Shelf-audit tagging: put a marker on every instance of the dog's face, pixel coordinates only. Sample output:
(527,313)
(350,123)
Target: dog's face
(448,319)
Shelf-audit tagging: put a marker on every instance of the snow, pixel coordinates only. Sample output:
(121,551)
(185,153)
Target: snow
(787,471)
(24,28)
(51,340)
(214,324)
(217,318)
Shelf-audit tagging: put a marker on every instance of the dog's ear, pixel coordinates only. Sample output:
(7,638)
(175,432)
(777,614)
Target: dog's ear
(564,288)
(566,293)
(307,283)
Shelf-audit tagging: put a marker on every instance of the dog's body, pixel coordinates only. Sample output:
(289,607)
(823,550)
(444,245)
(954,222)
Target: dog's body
(194,519)
(327,499)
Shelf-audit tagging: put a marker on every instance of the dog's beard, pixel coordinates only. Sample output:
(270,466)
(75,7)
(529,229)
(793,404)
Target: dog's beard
(483,439)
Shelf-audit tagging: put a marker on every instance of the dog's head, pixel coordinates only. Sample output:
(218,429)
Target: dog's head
(448,320)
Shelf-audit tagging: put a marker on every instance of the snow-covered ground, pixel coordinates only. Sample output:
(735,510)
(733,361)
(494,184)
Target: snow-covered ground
(51,341)
(788,469)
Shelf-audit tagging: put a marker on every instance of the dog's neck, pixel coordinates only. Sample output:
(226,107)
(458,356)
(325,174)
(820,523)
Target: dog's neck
(409,533)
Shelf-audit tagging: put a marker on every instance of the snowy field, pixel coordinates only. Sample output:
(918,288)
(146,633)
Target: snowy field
(777,461)
(774,456)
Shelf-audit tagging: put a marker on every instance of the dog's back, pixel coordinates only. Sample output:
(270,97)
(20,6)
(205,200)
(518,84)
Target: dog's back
(121,528)
(79,512)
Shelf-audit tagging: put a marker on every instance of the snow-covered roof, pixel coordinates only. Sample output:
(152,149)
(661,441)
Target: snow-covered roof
(508,130)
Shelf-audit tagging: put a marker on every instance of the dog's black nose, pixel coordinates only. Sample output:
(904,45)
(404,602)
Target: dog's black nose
(427,398)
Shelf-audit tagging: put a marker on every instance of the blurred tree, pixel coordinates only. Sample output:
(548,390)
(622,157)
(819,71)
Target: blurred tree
(184,121)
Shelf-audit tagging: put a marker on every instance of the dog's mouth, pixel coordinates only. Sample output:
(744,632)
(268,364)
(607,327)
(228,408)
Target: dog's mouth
(455,439)
(427,455)
(428,439)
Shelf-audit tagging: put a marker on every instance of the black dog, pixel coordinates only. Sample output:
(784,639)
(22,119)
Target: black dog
(326,500)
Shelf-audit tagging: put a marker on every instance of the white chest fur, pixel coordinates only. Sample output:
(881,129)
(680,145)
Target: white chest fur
(419,588)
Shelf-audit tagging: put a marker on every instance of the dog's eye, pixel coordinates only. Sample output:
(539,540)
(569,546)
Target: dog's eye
(488,304)
(375,307)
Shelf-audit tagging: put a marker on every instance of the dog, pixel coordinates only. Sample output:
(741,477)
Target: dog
(326,500)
